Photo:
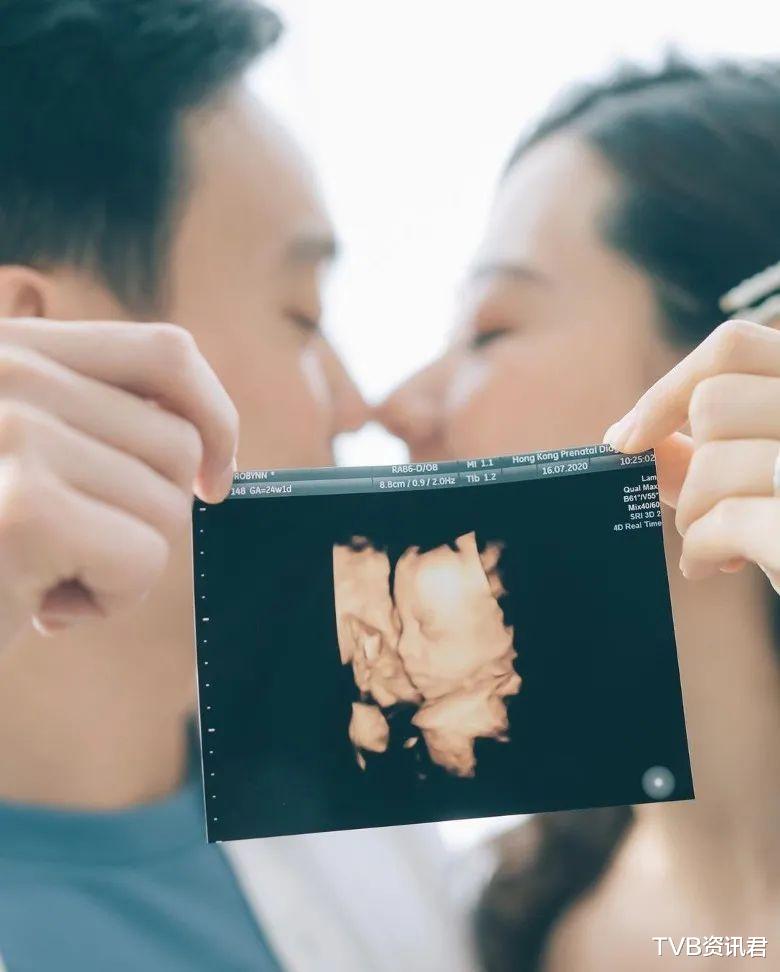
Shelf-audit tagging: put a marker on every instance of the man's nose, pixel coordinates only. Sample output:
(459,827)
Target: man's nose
(350,411)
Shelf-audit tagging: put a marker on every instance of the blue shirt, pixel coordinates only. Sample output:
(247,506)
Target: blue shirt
(134,890)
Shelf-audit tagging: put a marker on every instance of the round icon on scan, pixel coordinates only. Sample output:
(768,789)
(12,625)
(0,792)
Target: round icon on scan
(658,782)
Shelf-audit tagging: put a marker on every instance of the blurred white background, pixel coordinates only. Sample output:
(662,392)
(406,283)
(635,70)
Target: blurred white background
(408,109)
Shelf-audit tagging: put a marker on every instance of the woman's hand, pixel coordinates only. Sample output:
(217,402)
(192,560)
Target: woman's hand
(722,479)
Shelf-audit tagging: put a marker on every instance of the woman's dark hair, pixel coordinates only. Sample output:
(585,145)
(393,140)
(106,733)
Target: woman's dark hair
(92,92)
(696,152)
(545,864)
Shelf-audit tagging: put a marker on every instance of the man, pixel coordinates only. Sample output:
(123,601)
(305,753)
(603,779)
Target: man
(140,181)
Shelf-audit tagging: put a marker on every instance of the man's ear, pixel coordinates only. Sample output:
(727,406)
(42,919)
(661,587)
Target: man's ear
(61,294)
(24,292)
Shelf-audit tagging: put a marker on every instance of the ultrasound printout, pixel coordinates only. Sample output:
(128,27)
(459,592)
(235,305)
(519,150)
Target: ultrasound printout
(433,641)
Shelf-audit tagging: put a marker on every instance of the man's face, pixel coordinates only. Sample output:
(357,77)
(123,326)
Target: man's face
(249,247)
(252,243)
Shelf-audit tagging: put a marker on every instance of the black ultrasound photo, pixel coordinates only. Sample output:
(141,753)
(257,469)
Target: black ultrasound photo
(378,658)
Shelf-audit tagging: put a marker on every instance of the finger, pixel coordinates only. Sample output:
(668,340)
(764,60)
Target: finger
(672,458)
(116,557)
(63,606)
(719,469)
(51,534)
(156,361)
(732,406)
(94,468)
(169,444)
(737,527)
(735,347)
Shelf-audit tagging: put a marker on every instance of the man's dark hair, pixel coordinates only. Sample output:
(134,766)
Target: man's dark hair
(92,93)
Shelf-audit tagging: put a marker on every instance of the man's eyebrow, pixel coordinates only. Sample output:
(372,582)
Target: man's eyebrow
(313,248)
(515,271)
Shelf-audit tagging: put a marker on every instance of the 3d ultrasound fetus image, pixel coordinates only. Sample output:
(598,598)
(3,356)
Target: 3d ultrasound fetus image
(427,630)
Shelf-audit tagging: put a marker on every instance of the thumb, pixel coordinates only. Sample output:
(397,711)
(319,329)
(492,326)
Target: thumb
(673,456)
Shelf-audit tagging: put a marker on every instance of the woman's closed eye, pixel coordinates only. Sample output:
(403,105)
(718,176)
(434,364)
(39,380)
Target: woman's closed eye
(487,336)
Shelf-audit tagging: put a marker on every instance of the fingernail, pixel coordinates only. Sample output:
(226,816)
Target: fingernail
(51,625)
(226,480)
(617,435)
(220,486)
(683,569)
(41,627)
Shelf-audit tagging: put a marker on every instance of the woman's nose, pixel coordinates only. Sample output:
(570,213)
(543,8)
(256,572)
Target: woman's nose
(413,411)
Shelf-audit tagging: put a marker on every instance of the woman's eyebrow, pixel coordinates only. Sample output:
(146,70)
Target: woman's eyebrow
(515,271)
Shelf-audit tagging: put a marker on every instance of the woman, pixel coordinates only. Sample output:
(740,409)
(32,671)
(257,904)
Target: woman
(618,225)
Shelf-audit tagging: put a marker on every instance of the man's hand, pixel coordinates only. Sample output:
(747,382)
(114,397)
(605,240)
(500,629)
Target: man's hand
(721,477)
(106,429)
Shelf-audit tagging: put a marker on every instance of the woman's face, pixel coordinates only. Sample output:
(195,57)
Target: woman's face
(558,334)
